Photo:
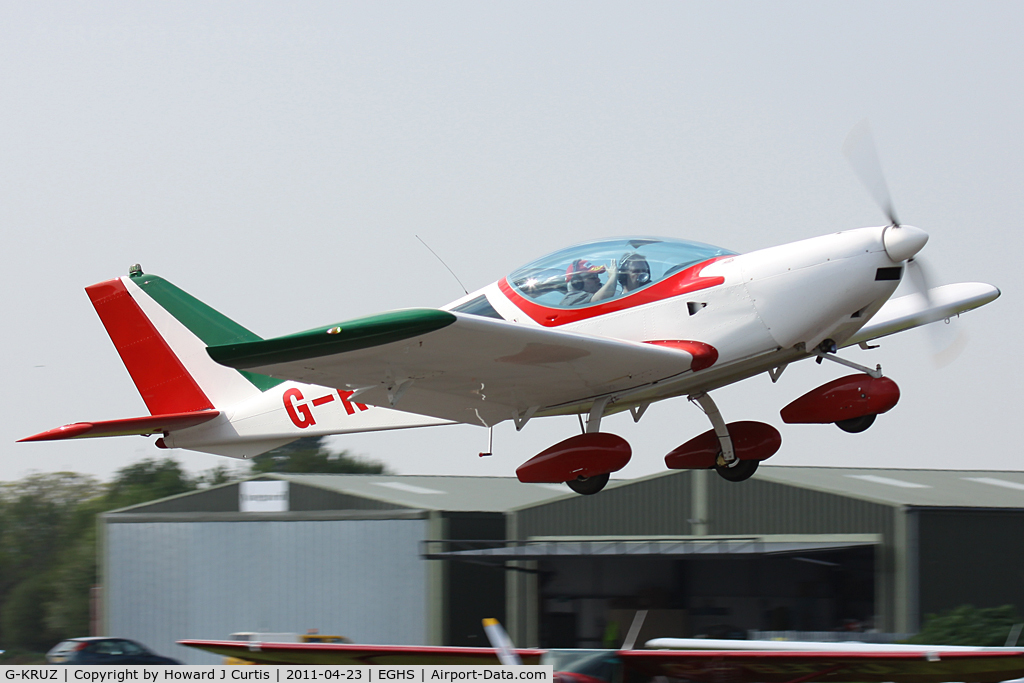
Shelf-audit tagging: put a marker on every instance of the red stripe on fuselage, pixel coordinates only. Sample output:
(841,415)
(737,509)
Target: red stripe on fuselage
(685,281)
(164,383)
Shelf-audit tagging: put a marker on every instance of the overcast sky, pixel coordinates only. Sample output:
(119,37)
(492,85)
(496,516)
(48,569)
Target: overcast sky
(277,160)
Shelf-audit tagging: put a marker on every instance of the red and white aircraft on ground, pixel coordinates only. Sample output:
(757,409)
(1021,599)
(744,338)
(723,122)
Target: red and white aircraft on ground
(688,659)
(590,330)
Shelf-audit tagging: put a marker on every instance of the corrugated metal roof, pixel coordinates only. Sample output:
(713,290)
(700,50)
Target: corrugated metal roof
(927,488)
(450,494)
(894,487)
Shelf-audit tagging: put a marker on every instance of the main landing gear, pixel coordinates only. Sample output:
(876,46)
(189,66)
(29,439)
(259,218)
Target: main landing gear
(584,462)
(733,450)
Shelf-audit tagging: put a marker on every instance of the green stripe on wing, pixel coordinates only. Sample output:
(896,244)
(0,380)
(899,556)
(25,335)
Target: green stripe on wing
(353,335)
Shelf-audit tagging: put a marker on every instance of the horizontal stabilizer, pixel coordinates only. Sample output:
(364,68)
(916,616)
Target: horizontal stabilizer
(143,426)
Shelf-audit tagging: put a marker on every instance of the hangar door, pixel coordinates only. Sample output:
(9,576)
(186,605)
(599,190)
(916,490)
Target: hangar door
(166,581)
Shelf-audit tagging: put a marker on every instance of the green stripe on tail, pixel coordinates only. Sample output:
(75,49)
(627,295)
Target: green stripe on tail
(213,328)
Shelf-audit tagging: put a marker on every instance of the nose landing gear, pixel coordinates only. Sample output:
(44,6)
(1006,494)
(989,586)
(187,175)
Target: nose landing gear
(852,403)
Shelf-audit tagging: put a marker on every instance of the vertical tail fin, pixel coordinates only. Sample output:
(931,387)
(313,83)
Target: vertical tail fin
(161,334)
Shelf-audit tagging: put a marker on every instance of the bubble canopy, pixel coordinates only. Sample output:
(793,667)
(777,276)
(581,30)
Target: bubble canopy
(579,276)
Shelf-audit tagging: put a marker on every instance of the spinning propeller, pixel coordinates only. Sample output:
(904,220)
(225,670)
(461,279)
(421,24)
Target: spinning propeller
(861,152)
(902,242)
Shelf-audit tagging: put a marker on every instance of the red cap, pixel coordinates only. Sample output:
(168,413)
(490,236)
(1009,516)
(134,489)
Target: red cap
(579,267)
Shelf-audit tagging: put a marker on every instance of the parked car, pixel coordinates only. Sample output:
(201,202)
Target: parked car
(100,650)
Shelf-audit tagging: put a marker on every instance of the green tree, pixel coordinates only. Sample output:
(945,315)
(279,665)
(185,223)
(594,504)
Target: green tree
(36,514)
(41,518)
(67,609)
(24,623)
(968,625)
(147,480)
(216,476)
(310,455)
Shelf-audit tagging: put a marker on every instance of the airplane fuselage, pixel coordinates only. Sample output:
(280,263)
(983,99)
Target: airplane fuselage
(757,311)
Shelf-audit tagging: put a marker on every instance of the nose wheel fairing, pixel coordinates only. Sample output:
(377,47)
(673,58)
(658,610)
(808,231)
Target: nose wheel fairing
(845,401)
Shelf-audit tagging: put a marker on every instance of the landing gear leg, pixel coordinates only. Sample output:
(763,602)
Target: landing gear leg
(596,411)
(728,466)
(588,486)
(727,457)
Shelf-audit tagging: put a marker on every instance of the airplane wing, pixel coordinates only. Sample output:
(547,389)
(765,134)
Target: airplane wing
(343,653)
(912,310)
(933,665)
(461,367)
(832,662)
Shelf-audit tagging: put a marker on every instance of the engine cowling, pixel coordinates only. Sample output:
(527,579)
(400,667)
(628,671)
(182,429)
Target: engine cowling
(583,455)
(750,441)
(846,398)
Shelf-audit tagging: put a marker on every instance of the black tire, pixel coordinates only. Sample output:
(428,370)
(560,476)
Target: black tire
(742,471)
(856,425)
(588,486)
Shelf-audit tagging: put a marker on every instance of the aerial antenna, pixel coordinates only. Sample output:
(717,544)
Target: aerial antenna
(443,264)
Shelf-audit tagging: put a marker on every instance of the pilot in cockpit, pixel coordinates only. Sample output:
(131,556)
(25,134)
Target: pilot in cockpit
(584,283)
(633,272)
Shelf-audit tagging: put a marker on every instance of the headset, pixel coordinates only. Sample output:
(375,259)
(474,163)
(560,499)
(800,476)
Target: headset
(642,278)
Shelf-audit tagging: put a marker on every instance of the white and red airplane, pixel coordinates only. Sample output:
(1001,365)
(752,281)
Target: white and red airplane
(590,330)
(701,661)
(689,659)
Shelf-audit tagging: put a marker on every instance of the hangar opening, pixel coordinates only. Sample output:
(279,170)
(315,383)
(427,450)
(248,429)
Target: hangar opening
(588,590)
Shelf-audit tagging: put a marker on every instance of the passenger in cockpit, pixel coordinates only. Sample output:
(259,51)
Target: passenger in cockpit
(633,272)
(585,284)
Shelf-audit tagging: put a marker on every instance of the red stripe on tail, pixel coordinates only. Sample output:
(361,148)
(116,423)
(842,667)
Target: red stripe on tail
(166,386)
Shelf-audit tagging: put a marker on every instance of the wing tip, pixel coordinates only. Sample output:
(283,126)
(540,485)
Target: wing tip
(65,432)
(131,426)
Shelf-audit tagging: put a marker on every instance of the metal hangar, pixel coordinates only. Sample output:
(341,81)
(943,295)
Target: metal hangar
(420,560)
